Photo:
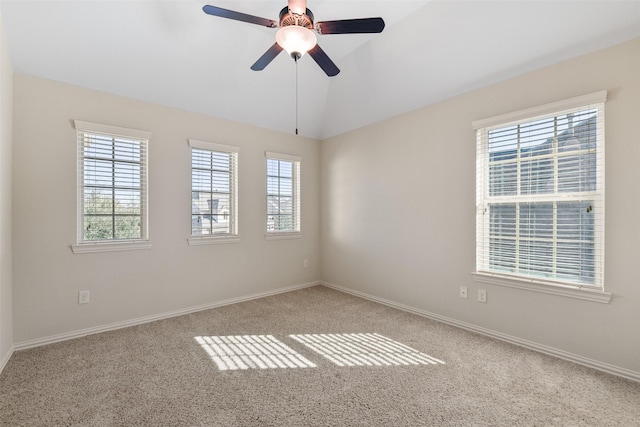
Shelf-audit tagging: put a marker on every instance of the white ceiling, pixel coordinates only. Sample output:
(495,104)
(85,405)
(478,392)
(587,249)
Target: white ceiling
(172,53)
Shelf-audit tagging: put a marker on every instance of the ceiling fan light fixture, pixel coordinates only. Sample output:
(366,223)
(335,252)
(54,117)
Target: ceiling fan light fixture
(296,40)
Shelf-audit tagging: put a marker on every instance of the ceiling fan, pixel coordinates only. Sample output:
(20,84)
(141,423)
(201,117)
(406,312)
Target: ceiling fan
(296,34)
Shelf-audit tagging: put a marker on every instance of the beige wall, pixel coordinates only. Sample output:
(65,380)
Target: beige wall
(172,275)
(6,100)
(395,202)
(398,212)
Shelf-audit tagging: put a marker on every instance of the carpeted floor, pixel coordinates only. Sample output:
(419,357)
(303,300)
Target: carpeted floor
(313,357)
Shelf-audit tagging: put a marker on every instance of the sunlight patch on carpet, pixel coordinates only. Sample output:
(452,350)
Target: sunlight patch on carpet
(364,350)
(251,352)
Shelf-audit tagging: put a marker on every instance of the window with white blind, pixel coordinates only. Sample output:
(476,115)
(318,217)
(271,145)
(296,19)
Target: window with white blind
(283,196)
(112,188)
(214,197)
(540,195)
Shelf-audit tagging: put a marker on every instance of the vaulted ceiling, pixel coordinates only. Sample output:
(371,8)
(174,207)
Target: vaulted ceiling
(172,53)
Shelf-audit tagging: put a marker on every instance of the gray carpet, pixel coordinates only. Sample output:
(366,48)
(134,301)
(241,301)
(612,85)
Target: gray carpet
(313,357)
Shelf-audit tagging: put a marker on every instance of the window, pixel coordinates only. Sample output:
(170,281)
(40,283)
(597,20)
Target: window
(214,200)
(283,195)
(112,187)
(540,194)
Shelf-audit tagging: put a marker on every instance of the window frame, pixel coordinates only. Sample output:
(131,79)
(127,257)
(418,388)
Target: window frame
(110,245)
(296,233)
(482,272)
(218,238)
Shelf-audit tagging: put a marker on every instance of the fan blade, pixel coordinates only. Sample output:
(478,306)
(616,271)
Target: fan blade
(298,6)
(238,16)
(267,57)
(324,61)
(351,26)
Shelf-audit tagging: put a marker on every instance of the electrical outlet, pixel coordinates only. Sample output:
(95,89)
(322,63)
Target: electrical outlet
(482,295)
(306,263)
(83,297)
(463,292)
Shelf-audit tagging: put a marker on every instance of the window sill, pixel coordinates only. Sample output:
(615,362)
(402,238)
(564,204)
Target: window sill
(543,287)
(88,248)
(283,235)
(211,240)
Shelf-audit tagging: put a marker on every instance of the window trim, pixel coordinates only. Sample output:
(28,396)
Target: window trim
(578,291)
(221,238)
(540,110)
(87,246)
(541,286)
(282,235)
(103,246)
(297,233)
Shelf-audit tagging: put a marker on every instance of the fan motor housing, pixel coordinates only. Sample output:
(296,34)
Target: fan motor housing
(288,18)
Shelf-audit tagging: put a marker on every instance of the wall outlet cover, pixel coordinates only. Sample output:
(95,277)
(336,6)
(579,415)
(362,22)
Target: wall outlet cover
(83,297)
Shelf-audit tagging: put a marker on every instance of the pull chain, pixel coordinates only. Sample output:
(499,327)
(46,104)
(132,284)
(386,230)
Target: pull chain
(296,60)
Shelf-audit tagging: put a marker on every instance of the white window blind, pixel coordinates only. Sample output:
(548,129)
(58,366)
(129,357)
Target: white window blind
(540,194)
(112,183)
(214,189)
(283,193)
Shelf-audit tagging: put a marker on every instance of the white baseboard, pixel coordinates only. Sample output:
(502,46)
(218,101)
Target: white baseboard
(141,320)
(601,366)
(5,358)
